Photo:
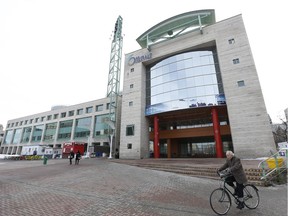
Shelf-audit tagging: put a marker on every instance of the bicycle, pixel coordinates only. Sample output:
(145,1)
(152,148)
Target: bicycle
(220,199)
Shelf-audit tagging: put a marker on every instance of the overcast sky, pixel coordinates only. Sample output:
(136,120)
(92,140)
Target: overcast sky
(57,52)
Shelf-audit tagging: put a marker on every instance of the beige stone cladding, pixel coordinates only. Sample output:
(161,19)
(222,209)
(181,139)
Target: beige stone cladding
(249,122)
(133,110)
(248,118)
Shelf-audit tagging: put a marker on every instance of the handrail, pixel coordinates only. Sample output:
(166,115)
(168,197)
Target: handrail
(277,167)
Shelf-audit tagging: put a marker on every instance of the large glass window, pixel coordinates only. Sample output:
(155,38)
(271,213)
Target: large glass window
(183,81)
(8,138)
(82,128)
(65,129)
(101,128)
(50,131)
(37,133)
(17,136)
(26,134)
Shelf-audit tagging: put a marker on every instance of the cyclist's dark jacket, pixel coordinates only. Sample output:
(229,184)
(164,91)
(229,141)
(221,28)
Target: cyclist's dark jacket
(236,169)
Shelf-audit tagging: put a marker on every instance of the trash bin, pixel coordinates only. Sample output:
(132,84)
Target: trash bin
(272,162)
(45,159)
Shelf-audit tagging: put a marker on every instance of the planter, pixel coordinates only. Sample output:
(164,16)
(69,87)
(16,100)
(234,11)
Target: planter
(272,162)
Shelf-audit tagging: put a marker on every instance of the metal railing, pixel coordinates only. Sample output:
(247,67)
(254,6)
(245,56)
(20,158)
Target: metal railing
(276,163)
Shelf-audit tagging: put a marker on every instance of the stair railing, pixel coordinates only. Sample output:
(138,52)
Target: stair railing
(278,156)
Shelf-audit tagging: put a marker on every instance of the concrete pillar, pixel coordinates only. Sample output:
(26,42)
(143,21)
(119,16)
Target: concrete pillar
(156,137)
(217,134)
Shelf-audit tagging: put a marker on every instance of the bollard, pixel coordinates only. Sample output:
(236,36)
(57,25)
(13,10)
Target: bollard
(45,159)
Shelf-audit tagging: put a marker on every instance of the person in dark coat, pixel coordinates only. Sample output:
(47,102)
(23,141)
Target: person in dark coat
(234,165)
(77,159)
(71,156)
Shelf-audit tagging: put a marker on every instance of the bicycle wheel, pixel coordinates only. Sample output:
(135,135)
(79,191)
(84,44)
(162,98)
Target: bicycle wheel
(251,196)
(220,201)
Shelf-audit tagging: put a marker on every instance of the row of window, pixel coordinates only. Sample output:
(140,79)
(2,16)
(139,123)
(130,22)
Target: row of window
(49,131)
(81,111)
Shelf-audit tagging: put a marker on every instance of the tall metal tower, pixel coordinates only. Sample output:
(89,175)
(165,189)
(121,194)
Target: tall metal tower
(114,78)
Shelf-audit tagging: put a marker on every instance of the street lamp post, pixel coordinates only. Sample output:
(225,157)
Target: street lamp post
(111,143)
(88,145)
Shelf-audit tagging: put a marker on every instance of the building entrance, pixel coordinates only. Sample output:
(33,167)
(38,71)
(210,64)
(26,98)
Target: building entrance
(191,147)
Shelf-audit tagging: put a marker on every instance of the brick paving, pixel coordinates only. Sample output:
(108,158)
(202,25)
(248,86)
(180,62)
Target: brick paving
(102,187)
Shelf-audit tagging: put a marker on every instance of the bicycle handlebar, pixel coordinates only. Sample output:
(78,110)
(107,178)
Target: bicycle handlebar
(225,173)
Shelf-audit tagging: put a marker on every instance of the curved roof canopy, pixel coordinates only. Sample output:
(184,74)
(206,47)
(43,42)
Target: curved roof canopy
(177,25)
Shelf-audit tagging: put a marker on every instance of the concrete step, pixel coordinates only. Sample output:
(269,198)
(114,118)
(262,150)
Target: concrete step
(202,171)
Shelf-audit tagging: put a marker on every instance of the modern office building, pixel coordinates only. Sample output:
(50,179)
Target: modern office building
(84,123)
(1,133)
(192,90)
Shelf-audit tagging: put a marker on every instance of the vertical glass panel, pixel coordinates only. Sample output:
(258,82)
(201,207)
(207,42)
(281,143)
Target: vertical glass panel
(50,131)
(37,133)
(65,129)
(17,136)
(26,134)
(8,138)
(82,127)
(101,128)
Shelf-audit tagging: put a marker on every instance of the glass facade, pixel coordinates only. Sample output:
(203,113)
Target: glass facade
(8,138)
(37,133)
(26,134)
(50,131)
(186,80)
(17,136)
(65,129)
(101,128)
(82,127)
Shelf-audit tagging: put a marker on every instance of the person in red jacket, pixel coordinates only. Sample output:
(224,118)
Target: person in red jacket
(234,165)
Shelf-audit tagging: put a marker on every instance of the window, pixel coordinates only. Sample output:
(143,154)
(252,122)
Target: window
(36,120)
(26,122)
(236,61)
(131,86)
(63,115)
(131,103)
(79,111)
(89,109)
(42,118)
(132,70)
(99,108)
(130,130)
(49,117)
(241,83)
(71,113)
(21,122)
(231,41)
(16,124)
(31,121)
(129,146)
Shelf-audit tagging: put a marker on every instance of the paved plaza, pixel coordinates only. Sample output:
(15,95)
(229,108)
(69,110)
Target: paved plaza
(101,187)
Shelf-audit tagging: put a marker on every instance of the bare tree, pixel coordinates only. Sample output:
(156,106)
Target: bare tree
(280,132)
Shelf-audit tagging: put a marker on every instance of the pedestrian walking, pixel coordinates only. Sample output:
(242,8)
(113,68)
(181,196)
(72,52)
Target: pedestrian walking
(78,157)
(71,156)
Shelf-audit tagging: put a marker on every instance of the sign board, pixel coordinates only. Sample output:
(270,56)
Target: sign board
(284,146)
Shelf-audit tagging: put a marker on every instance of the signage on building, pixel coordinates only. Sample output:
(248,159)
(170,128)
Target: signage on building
(136,59)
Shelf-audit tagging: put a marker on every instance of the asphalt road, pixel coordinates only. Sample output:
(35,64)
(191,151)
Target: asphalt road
(102,187)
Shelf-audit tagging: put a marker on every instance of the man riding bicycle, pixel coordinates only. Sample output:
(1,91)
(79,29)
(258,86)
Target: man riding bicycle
(234,165)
